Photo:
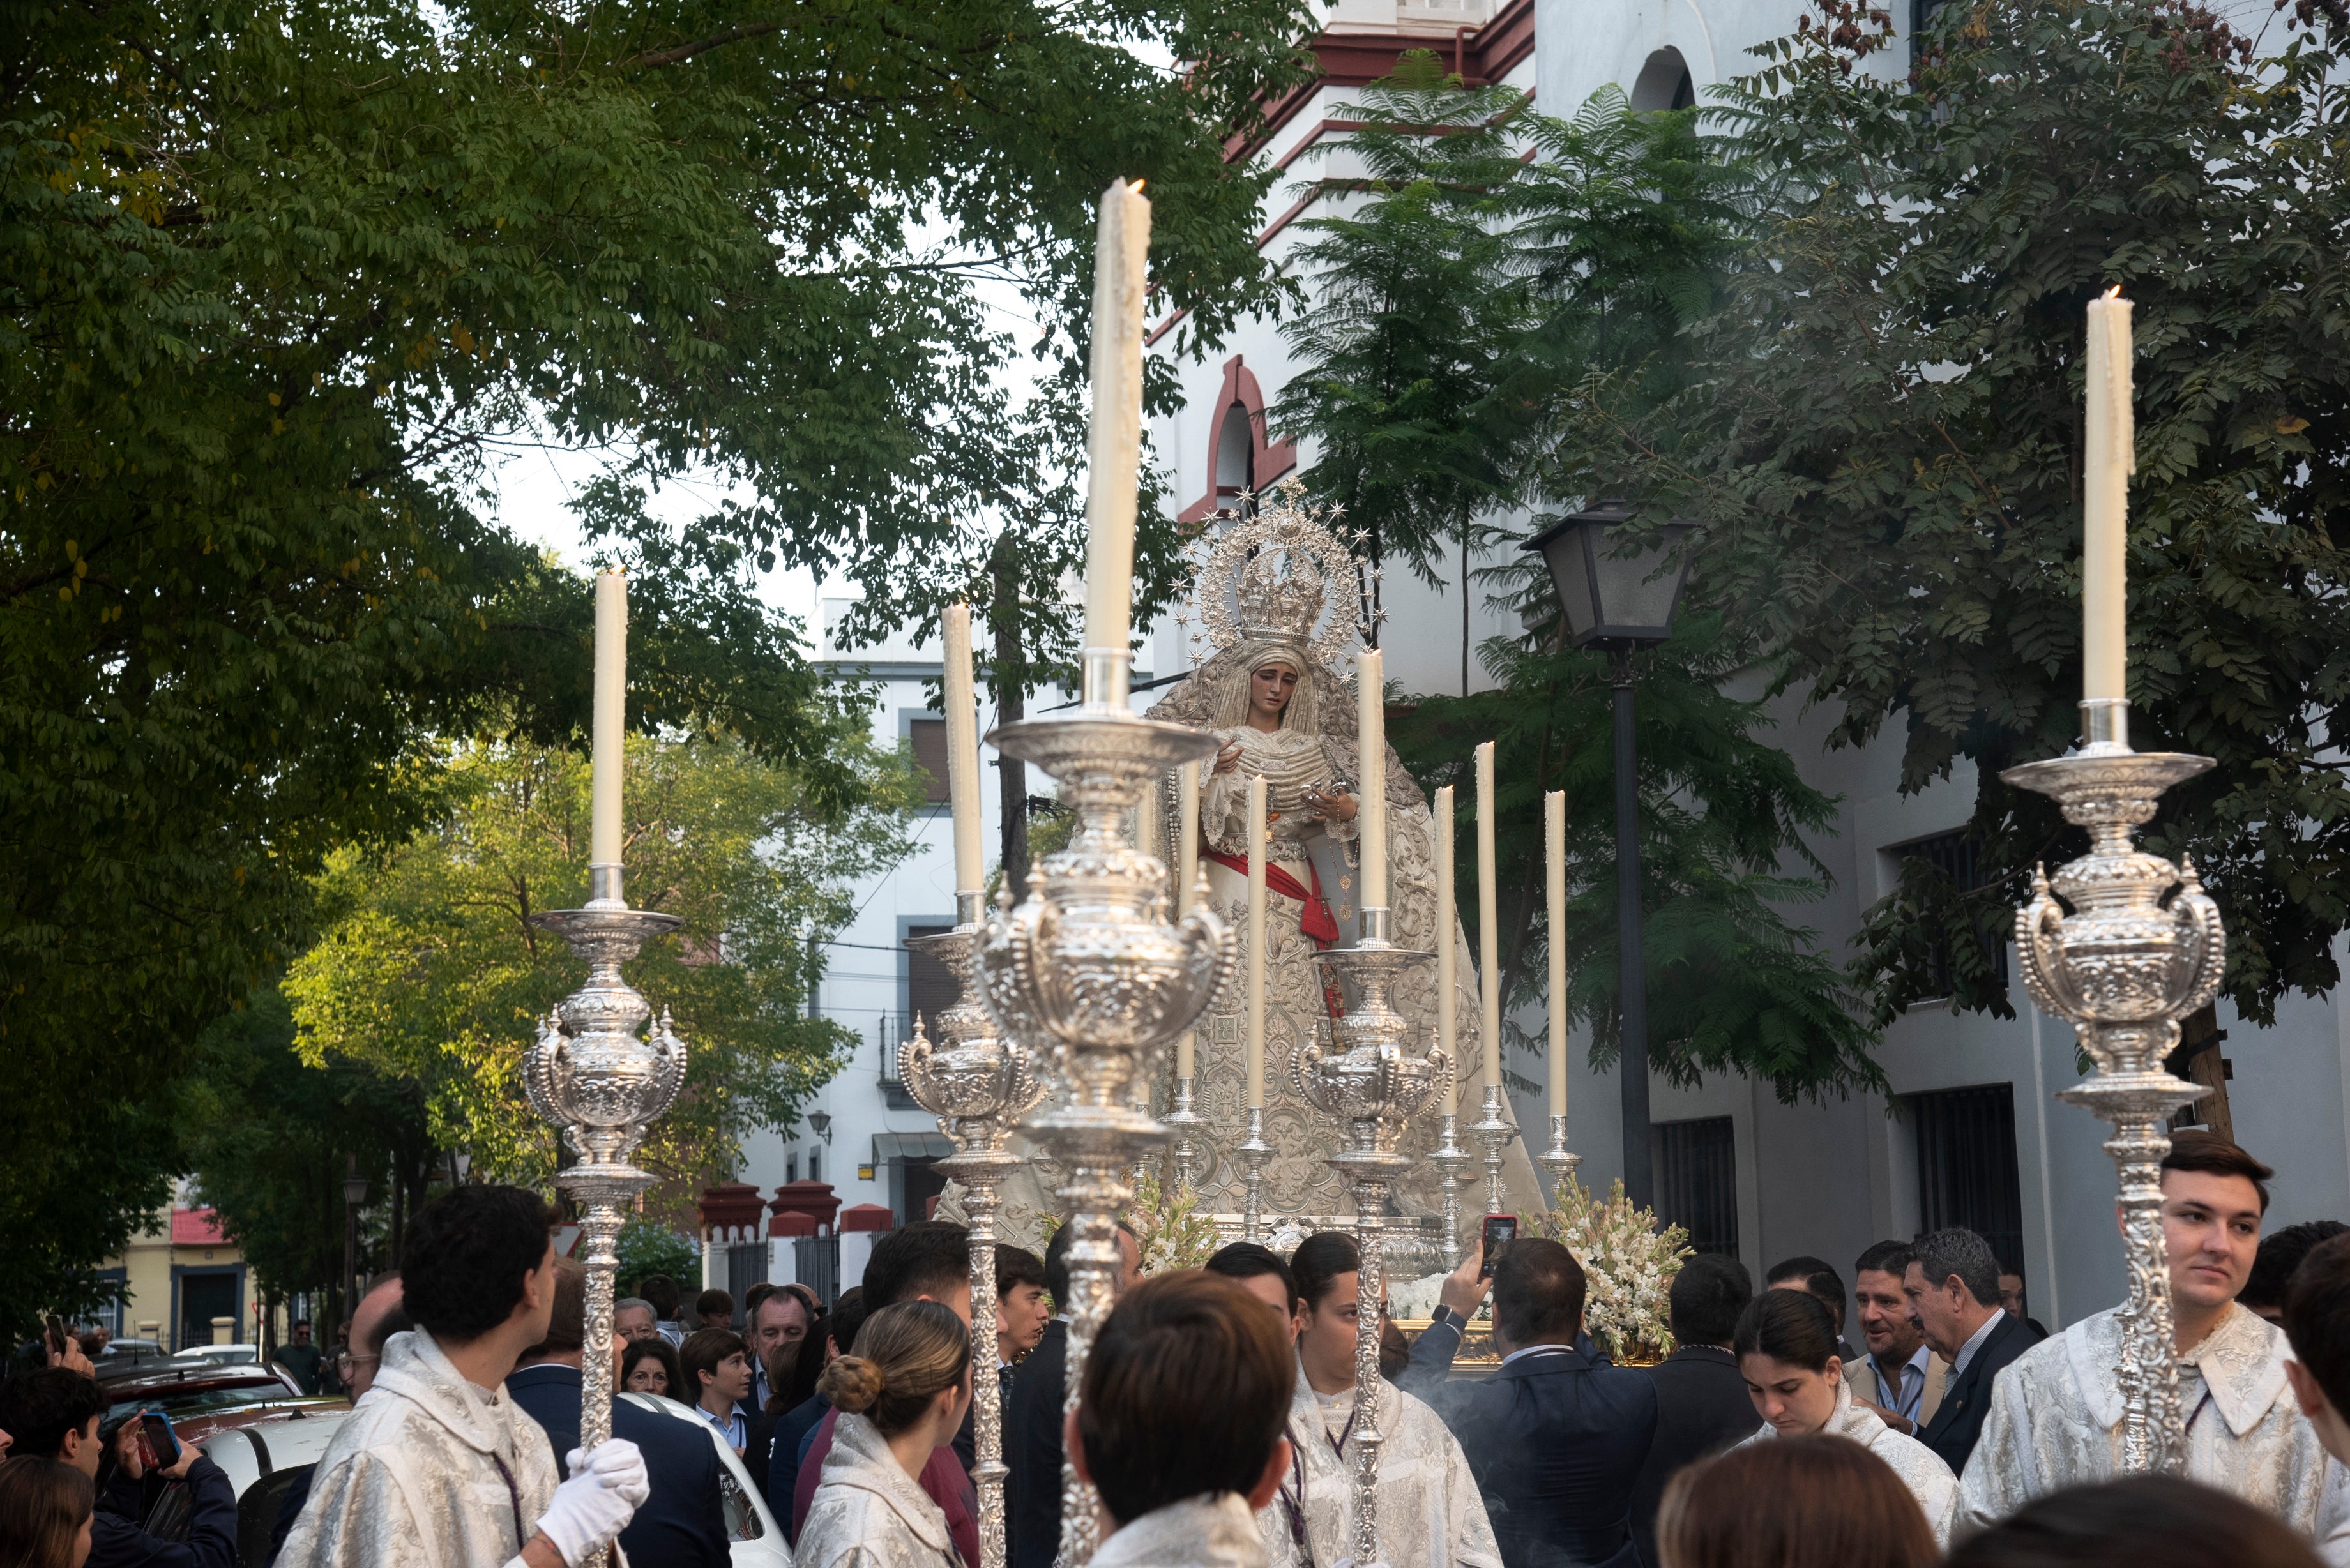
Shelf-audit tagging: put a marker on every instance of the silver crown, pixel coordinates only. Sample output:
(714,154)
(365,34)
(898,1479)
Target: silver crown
(1284,574)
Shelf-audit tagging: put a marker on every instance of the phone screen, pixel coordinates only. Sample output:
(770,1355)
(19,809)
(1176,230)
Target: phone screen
(1501,1230)
(159,1446)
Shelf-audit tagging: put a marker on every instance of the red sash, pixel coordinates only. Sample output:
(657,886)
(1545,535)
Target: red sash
(1317,921)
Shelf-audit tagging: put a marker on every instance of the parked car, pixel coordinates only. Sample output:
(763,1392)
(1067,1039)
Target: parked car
(128,1357)
(267,1451)
(181,1389)
(222,1355)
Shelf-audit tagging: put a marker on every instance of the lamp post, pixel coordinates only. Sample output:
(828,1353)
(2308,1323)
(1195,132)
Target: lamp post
(1621,601)
(355,1191)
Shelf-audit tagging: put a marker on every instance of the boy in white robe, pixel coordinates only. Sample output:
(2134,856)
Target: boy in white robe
(2056,1419)
(2317,1323)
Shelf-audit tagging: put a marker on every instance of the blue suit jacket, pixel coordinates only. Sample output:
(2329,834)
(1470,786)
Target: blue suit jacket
(1966,1397)
(684,1520)
(1557,1443)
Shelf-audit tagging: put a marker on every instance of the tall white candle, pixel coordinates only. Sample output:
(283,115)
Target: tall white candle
(1555,889)
(1447,962)
(2111,457)
(1488,920)
(1187,871)
(1256,1045)
(607,755)
(1114,438)
(1371,727)
(962,752)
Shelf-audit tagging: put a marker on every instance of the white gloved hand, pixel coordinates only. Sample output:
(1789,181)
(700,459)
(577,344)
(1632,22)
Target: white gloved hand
(597,1504)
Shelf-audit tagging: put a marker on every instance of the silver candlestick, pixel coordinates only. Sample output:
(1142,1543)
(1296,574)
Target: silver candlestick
(1089,967)
(1184,1123)
(602,1086)
(1493,1132)
(1558,1159)
(1254,1152)
(1371,1086)
(977,1083)
(2125,945)
(1449,1160)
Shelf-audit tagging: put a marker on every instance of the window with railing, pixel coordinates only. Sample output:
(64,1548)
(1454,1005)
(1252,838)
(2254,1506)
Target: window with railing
(1953,855)
(1694,1167)
(1966,1173)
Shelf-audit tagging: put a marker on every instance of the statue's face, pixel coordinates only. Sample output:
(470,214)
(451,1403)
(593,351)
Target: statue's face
(1270,688)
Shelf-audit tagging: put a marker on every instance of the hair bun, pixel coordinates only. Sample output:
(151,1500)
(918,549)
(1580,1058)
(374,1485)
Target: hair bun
(851,1383)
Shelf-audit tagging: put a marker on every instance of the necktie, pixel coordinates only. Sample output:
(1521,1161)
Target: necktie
(1003,1377)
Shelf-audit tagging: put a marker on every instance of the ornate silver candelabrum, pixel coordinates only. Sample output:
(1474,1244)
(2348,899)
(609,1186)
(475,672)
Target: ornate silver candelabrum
(1449,1160)
(1371,1086)
(602,1086)
(1090,968)
(1254,1152)
(1493,1132)
(2125,945)
(1183,1123)
(1558,1159)
(978,1081)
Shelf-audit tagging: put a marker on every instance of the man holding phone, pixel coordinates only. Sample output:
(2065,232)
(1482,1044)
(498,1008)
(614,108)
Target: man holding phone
(54,1413)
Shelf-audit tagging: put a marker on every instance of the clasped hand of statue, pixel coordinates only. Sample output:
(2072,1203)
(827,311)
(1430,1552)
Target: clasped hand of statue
(1320,806)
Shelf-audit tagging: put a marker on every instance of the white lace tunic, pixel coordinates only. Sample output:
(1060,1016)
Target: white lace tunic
(1431,1514)
(1921,1470)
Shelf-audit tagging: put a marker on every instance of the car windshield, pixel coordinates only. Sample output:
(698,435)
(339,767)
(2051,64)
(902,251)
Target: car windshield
(210,1398)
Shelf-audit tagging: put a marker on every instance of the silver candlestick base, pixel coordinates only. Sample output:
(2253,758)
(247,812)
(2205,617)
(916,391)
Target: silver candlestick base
(1493,1132)
(1372,1087)
(2125,945)
(1089,968)
(1184,1123)
(1254,1152)
(602,1086)
(977,1083)
(1558,1159)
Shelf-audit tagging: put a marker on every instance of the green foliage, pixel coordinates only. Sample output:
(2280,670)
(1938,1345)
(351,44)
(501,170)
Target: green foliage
(1732,986)
(648,1247)
(1884,433)
(274,281)
(431,972)
(269,1139)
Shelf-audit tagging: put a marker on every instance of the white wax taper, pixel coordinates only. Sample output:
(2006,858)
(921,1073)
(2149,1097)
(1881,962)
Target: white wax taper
(962,752)
(1187,871)
(1448,962)
(1555,890)
(1371,727)
(1114,436)
(1489,968)
(2109,459)
(1255,1044)
(607,750)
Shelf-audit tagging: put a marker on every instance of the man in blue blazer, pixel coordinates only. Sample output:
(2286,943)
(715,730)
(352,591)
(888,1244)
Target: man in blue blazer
(1555,1440)
(683,1522)
(1953,1289)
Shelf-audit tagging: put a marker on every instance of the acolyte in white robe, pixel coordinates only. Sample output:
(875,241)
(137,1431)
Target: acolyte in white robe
(1431,1514)
(1921,1470)
(429,1472)
(867,1512)
(1202,1531)
(2055,1421)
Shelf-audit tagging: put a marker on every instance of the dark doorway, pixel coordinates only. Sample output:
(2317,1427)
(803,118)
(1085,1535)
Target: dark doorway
(204,1297)
(1695,1179)
(1966,1166)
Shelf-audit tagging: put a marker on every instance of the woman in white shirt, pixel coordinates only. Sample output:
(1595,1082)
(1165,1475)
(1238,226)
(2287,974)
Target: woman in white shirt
(900,1395)
(1786,1348)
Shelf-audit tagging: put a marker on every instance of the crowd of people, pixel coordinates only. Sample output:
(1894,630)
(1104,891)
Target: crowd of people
(1217,1425)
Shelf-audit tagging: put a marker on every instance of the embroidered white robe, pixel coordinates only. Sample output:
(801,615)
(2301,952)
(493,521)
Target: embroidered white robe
(1431,1514)
(1921,1470)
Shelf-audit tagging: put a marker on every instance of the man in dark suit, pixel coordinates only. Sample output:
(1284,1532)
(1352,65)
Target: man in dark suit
(1952,1284)
(683,1522)
(1702,1405)
(1556,1443)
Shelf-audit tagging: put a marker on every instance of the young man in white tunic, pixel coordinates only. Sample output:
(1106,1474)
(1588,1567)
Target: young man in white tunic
(1179,1422)
(437,1467)
(2055,1420)
(1431,1514)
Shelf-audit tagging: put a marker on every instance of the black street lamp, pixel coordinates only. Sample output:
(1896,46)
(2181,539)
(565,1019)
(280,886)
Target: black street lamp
(1622,602)
(355,1191)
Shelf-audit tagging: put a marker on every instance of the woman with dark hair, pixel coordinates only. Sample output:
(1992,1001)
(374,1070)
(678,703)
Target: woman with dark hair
(1431,1514)
(45,1509)
(651,1366)
(2139,1522)
(901,1396)
(1786,1349)
(1801,1501)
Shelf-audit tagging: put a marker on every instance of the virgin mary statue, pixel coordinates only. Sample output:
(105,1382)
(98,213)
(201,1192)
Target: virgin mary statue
(1279,594)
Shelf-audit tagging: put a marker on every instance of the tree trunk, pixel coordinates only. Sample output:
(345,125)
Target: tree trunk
(1011,777)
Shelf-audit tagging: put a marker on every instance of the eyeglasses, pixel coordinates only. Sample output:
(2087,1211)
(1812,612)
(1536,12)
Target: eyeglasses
(345,1362)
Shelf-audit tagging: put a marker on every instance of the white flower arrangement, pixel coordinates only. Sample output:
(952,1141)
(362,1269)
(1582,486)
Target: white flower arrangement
(1628,1263)
(1169,1230)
